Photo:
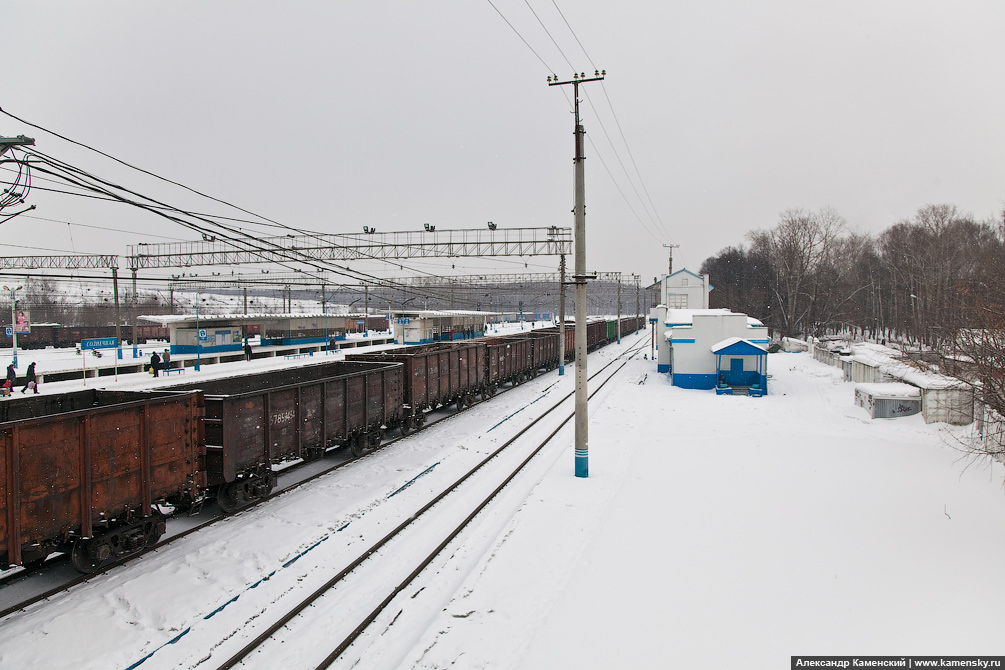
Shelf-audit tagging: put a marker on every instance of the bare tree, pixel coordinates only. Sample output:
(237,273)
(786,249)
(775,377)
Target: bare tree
(796,249)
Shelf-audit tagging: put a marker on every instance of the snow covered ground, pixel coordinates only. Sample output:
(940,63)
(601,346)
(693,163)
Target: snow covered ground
(713,532)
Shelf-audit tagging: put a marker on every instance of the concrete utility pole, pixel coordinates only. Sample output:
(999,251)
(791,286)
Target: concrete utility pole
(13,320)
(618,327)
(579,278)
(671,247)
(561,315)
(136,351)
(638,290)
(19,141)
(118,319)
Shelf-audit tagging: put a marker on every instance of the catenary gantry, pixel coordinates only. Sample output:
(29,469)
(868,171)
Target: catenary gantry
(551,241)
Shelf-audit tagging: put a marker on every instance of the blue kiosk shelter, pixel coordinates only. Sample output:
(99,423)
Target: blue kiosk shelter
(740,366)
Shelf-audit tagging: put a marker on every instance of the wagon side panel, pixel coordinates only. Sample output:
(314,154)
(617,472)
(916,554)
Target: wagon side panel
(47,459)
(356,403)
(312,416)
(244,434)
(335,410)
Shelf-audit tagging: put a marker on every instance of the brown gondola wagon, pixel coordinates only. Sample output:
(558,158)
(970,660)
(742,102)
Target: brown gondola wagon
(84,472)
(256,421)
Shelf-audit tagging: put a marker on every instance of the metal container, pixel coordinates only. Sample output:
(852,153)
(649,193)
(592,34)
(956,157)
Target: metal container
(509,359)
(435,374)
(544,349)
(596,334)
(83,471)
(570,338)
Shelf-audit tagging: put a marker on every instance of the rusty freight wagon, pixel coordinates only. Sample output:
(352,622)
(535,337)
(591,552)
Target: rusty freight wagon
(570,338)
(630,324)
(83,472)
(544,349)
(255,421)
(435,374)
(508,359)
(596,334)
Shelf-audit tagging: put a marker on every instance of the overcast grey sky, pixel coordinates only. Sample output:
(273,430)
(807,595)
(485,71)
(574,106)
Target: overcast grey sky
(330,116)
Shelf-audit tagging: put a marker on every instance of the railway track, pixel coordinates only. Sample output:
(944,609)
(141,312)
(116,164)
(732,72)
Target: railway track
(56,576)
(466,493)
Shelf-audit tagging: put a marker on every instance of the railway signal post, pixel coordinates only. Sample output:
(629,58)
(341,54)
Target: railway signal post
(579,277)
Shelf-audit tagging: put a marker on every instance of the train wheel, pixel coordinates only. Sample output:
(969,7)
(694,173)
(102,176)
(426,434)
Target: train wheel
(231,497)
(356,445)
(406,426)
(81,558)
(374,439)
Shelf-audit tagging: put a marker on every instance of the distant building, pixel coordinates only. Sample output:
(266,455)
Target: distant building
(426,326)
(681,290)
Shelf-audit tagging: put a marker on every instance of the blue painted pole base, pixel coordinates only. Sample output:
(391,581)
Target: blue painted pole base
(582,465)
(561,370)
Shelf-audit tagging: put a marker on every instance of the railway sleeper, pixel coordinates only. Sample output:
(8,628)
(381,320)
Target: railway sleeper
(87,554)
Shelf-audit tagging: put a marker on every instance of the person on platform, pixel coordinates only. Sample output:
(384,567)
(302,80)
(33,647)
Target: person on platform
(247,350)
(11,375)
(166,359)
(30,381)
(155,364)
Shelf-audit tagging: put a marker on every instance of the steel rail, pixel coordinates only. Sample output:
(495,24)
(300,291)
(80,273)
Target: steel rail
(327,586)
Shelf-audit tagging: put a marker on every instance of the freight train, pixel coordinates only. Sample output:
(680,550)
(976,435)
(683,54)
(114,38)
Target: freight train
(89,472)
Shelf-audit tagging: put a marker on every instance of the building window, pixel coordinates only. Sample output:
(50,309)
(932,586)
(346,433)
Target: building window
(677,301)
(683,281)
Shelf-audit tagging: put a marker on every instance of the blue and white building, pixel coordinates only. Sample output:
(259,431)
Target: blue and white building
(705,346)
(682,290)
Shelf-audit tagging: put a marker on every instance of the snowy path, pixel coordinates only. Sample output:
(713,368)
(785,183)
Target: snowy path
(734,532)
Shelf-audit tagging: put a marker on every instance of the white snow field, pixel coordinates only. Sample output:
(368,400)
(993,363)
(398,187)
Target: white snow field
(713,532)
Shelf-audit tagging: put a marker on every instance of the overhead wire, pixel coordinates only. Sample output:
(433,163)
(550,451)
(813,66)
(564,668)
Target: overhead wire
(235,237)
(150,207)
(653,215)
(79,178)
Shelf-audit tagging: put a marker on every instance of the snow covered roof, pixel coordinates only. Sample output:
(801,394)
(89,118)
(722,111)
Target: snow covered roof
(432,313)
(685,317)
(890,390)
(887,361)
(167,319)
(738,346)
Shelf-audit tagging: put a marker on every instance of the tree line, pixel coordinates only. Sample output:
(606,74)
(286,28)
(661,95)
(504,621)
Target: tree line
(918,281)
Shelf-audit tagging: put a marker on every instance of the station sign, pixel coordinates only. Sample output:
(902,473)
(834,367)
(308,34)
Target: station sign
(99,343)
(202,333)
(10,331)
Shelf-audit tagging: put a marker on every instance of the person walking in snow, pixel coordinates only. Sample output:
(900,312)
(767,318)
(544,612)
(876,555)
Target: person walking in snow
(30,381)
(11,375)
(155,363)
